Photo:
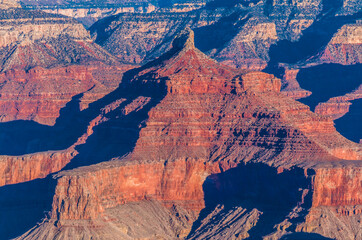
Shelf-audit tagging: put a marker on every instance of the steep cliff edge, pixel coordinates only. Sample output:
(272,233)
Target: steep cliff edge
(336,202)
(199,147)
(345,46)
(343,53)
(91,11)
(337,107)
(18,169)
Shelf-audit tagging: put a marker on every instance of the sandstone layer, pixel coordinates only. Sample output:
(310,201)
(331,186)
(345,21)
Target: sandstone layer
(32,166)
(345,46)
(340,213)
(337,107)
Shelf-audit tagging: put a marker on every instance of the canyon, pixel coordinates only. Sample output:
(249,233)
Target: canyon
(160,133)
(91,11)
(195,144)
(285,39)
(45,61)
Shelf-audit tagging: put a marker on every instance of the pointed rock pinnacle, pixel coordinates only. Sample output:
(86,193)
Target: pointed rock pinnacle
(184,40)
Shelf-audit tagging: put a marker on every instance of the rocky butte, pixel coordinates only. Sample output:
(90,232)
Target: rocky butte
(210,152)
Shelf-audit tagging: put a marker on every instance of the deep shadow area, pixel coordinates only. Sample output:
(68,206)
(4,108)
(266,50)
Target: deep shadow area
(165,3)
(313,39)
(22,137)
(220,32)
(257,186)
(118,136)
(328,80)
(304,236)
(113,138)
(99,28)
(350,125)
(24,205)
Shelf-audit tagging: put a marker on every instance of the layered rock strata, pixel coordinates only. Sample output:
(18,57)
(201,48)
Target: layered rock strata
(209,122)
(88,16)
(17,169)
(304,34)
(47,59)
(290,85)
(337,107)
(336,202)
(242,33)
(242,39)
(345,46)
(344,49)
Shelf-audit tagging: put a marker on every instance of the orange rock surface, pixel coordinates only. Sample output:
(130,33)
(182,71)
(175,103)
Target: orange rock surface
(47,59)
(338,186)
(17,169)
(40,93)
(211,119)
(206,120)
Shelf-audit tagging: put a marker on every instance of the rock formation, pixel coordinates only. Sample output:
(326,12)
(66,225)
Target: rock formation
(91,11)
(183,147)
(88,16)
(345,46)
(243,34)
(17,169)
(344,49)
(269,35)
(337,107)
(46,60)
(241,39)
(211,144)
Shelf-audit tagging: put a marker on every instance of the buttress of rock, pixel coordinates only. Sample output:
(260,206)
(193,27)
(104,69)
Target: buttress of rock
(184,40)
